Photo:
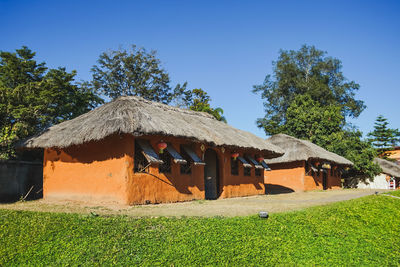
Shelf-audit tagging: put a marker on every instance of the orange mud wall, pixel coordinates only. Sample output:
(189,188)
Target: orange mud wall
(104,171)
(395,154)
(96,170)
(292,177)
(156,187)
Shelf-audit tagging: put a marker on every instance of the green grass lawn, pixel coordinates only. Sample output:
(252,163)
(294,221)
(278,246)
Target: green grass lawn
(395,193)
(364,231)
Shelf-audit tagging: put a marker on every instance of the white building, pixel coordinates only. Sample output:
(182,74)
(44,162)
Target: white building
(388,179)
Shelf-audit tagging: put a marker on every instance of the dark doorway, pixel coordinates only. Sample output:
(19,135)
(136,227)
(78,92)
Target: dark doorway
(211,174)
(324,180)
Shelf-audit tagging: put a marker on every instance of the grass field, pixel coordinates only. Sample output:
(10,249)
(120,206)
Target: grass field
(364,231)
(395,193)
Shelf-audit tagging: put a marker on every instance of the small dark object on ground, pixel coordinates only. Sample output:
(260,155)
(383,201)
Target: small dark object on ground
(263,214)
(94,214)
(376,192)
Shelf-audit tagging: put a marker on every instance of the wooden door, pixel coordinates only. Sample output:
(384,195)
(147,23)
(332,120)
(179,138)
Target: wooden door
(211,174)
(324,179)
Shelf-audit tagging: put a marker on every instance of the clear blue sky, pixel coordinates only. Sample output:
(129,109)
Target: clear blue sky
(223,47)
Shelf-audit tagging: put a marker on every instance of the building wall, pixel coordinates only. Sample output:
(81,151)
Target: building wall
(313,180)
(239,185)
(292,176)
(285,177)
(156,187)
(381,181)
(334,180)
(395,154)
(104,171)
(96,170)
(18,178)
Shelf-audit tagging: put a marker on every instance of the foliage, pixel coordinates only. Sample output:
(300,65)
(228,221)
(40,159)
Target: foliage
(307,71)
(307,119)
(133,72)
(356,232)
(325,126)
(382,137)
(33,98)
(309,98)
(349,144)
(8,136)
(199,100)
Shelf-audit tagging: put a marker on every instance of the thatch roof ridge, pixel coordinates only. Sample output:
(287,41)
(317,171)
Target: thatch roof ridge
(138,116)
(388,167)
(299,150)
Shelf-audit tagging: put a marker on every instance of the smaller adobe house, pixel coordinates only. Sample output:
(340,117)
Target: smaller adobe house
(304,166)
(388,179)
(136,151)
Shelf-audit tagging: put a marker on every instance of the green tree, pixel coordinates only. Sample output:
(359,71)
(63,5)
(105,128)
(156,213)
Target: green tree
(133,72)
(306,71)
(199,100)
(349,144)
(33,98)
(308,97)
(382,137)
(307,119)
(324,126)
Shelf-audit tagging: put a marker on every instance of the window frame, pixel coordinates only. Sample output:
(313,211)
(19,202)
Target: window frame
(139,159)
(234,167)
(166,166)
(186,168)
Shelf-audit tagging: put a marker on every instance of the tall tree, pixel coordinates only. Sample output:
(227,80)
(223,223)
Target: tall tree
(306,71)
(33,98)
(349,144)
(382,137)
(133,72)
(324,126)
(199,100)
(308,97)
(307,119)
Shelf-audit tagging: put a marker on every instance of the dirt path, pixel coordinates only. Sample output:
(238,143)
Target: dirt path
(222,207)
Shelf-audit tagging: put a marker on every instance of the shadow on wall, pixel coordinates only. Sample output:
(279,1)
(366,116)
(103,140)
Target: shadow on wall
(103,150)
(181,185)
(273,189)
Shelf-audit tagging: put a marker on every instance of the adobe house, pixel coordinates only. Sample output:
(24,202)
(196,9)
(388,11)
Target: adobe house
(135,151)
(304,166)
(389,178)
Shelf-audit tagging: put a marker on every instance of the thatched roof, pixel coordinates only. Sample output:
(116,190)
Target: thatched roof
(137,116)
(299,150)
(388,167)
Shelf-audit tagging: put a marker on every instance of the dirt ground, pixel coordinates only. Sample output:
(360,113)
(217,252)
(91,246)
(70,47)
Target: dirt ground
(229,207)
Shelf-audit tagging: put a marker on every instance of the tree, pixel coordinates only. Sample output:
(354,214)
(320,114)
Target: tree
(308,97)
(133,72)
(382,137)
(349,144)
(306,71)
(33,98)
(307,119)
(136,72)
(199,100)
(324,126)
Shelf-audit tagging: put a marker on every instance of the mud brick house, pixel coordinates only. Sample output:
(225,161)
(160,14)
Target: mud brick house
(135,151)
(304,166)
